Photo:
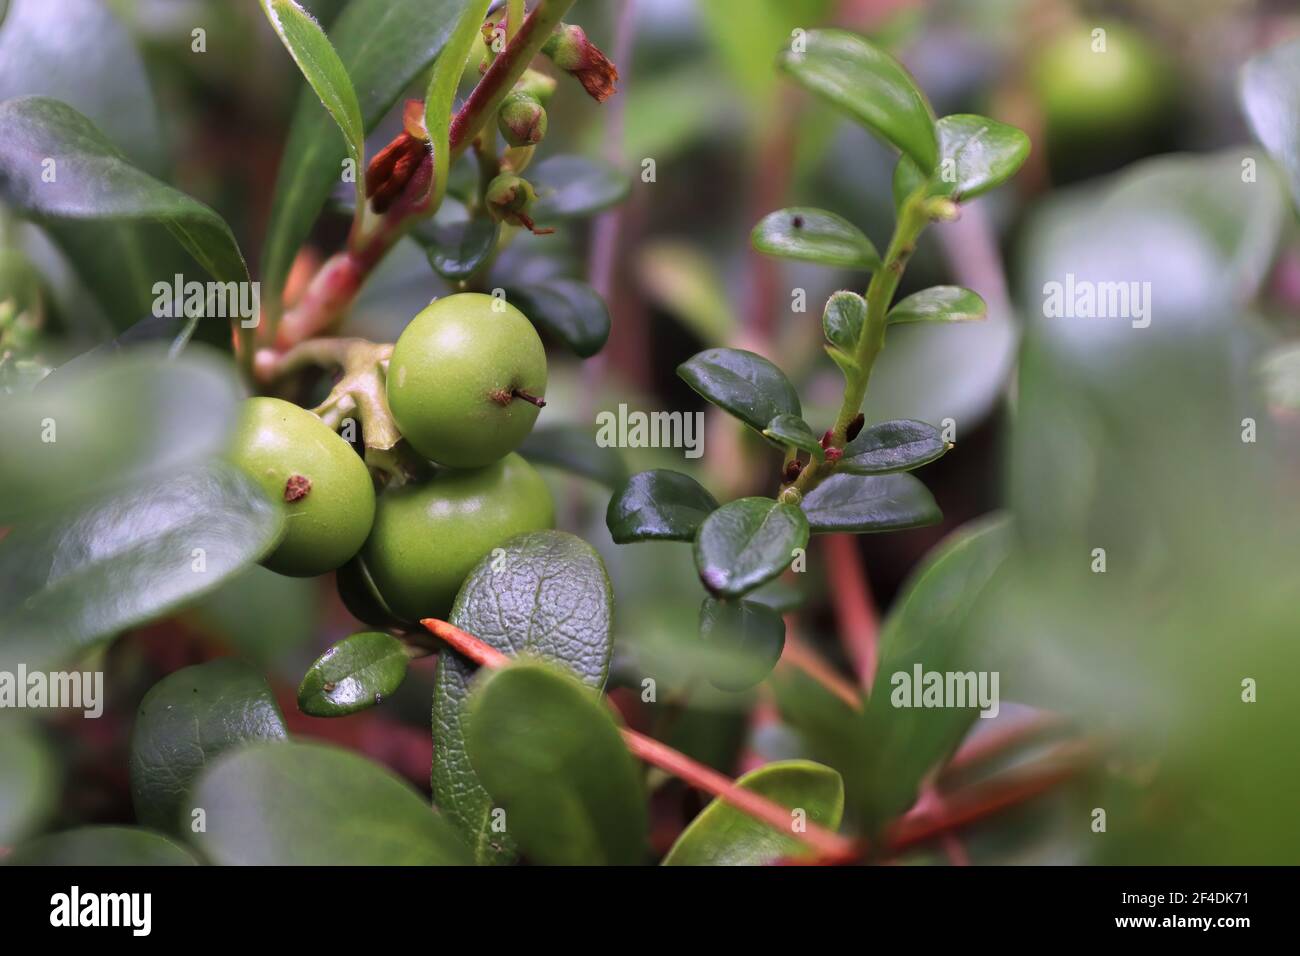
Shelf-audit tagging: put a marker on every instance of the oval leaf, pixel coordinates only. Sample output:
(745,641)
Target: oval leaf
(792,431)
(744,384)
(658,505)
(384,45)
(842,320)
(550,753)
(577,450)
(871,86)
(859,503)
(356,673)
(900,445)
(101,846)
(567,309)
(815,235)
(325,73)
(1270,96)
(457,248)
(745,640)
(571,187)
(184,722)
(976,154)
(747,542)
(723,836)
(940,303)
(93,181)
(69,581)
(547,595)
(296,804)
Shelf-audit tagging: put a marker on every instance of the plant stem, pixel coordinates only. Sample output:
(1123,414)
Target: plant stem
(854,612)
(829,845)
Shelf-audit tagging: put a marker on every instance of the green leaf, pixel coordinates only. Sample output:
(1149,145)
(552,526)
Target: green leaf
(747,542)
(65,440)
(869,85)
(746,385)
(847,364)
(384,45)
(572,187)
(659,505)
(745,640)
(976,154)
(184,722)
(567,309)
(69,581)
(723,836)
(29,773)
(457,247)
(793,432)
(263,616)
(101,846)
(575,449)
(779,596)
(299,804)
(814,235)
(94,181)
(439,98)
(842,320)
(1270,96)
(858,503)
(548,595)
(940,303)
(931,624)
(900,445)
(311,49)
(549,752)
(356,673)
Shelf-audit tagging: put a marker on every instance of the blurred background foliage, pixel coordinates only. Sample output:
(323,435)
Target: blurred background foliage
(1087,433)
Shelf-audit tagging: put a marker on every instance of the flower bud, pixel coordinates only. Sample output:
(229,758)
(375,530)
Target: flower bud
(570,50)
(508,199)
(521,119)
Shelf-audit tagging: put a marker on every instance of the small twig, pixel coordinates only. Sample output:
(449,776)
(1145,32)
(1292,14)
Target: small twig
(799,655)
(829,845)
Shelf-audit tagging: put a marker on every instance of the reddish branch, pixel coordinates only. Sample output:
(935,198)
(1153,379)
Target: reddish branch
(799,655)
(854,611)
(830,847)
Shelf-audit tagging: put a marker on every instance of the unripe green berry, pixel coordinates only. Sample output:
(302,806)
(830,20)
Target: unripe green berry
(522,120)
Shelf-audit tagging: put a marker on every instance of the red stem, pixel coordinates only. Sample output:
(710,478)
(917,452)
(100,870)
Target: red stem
(859,631)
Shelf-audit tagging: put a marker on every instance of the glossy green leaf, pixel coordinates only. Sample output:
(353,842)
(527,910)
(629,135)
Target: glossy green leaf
(549,752)
(70,581)
(29,774)
(184,722)
(779,595)
(932,625)
(356,673)
(976,154)
(456,244)
(660,505)
(325,73)
(439,98)
(299,804)
(744,639)
(548,594)
(1270,96)
(747,542)
(94,181)
(263,616)
(101,846)
(723,836)
(575,449)
(384,45)
(869,85)
(746,385)
(842,320)
(940,303)
(566,309)
(572,187)
(861,503)
(900,445)
(65,440)
(814,235)
(793,432)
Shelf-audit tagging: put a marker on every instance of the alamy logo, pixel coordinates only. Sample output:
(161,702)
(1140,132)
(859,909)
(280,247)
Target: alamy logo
(78,690)
(74,908)
(1083,299)
(635,429)
(943,689)
(207,300)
